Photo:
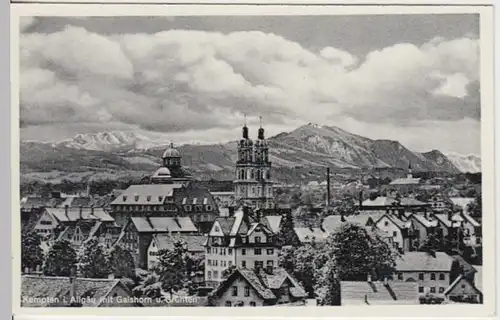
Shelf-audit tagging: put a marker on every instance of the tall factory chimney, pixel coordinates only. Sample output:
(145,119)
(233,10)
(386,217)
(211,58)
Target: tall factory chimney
(327,188)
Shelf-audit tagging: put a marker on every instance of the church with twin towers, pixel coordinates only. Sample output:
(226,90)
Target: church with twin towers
(253,185)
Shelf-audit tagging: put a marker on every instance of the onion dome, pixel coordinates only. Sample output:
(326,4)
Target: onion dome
(171,152)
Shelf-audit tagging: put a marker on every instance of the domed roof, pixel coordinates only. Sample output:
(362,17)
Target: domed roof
(162,172)
(171,152)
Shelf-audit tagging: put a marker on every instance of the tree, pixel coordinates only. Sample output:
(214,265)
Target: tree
(150,286)
(60,259)
(93,260)
(430,244)
(359,253)
(31,252)
(347,206)
(474,208)
(287,235)
(327,285)
(171,267)
(121,262)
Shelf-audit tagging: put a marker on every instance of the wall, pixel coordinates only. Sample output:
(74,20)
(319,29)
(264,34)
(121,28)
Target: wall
(240,283)
(463,287)
(427,283)
(220,258)
(387,225)
(250,257)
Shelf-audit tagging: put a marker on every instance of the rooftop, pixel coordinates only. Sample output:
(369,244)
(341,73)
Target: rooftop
(146,194)
(423,261)
(164,224)
(363,292)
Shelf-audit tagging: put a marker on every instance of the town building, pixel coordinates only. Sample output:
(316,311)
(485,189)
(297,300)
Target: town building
(245,287)
(137,234)
(463,290)
(241,240)
(223,199)
(378,293)
(170,193)
(406,185)
(431,271)
(194,246)
(43,291)
(253,185)
(310,235)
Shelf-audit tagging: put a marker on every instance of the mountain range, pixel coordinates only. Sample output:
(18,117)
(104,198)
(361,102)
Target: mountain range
(300,154)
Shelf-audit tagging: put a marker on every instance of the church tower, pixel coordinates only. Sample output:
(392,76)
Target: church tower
(253,183)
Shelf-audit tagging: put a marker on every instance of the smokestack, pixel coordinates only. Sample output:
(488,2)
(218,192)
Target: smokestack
(81,212)
(327,188)
(66,211)
(449,215)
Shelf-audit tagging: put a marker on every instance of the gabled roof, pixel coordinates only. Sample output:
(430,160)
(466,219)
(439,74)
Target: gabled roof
(424,221)
(146,194)
(424,261)
(461,202)
(307,235)
(401,224)
(390,201)
(363,292)
(273,222)
(165,241)
(443,217)
(404,181)
(39,202)
(163,224)
(471,220)
(263,283)
(73,214)
(76,202)
(225,223)
(44,291)
(459,279)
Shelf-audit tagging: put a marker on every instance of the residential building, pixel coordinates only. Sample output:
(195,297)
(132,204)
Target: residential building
(431,271)
(194,245)
(463,290)
(253,185)
(398,228)
(310,235)
(394,204)
(254,288)
(43,291)
(241,241)
(460,227)
(378,293)
(137,234)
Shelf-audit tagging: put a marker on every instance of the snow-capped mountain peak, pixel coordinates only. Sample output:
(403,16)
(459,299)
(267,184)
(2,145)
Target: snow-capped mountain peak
(109,140)
(465,163)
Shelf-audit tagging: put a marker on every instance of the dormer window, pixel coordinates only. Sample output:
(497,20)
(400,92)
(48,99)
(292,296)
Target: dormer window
(198,208)
(160,198)
(188,208)
(124,198)
(136,198)
(257,239)
(148,198)
(209,208)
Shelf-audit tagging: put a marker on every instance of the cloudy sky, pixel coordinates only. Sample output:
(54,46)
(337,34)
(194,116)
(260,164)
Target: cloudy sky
(412,78)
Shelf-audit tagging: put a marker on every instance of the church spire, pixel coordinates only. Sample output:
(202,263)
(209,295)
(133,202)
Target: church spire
(261,130)
(245,128)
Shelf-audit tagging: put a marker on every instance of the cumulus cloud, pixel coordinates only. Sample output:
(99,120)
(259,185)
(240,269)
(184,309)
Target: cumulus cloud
(177,81)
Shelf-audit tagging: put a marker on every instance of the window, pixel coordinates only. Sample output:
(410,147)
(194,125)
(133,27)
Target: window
(258,251)
(235,291)
(386,223)
(421,289)
(243,264)
(252,304)
(136,198)
(441,276)
(433,289)
(420,276)
(124,198)
(433,276)
(230,263)
(441,289)
(148,198)
(394,233)
(243,252)
(270,263)
(45,222)
(463,286)
(400,276)
(247,291)
(257,239)
(209,274)
(209,262)
(270,251)
(216,274)
(228,303)
(244,239)
(209,208)
(258,264)
(160,198)
(229,251)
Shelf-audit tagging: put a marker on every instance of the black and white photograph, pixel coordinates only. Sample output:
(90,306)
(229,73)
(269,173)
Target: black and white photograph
(252,161)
